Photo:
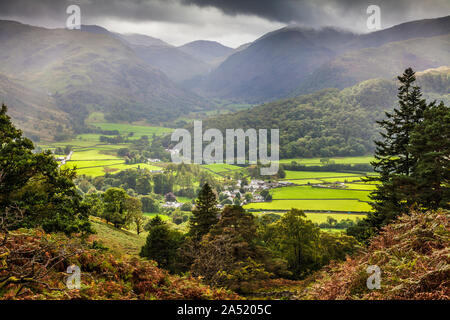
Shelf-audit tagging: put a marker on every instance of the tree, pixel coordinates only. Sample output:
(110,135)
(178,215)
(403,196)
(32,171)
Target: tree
(229,249)
(205,213)
(35,183)
(143,186)
(430,146)
(393,160)
(163,183)
(95,204)
(116,207)
(298,241)
(187,206)
(170,197)
(150,204)
(134,210)
(162,244)
(154,222)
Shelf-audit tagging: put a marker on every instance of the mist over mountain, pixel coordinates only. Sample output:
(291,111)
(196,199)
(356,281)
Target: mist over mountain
(206,51)
(297,59)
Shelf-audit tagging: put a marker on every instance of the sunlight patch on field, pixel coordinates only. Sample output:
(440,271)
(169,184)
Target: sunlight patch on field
(309,192)
(314,175)
(328,205)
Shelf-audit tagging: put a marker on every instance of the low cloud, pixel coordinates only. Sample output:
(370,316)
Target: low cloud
(231,21)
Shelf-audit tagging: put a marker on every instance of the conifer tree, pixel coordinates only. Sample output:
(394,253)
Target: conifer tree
(430,146)
(394,160)
(205,213)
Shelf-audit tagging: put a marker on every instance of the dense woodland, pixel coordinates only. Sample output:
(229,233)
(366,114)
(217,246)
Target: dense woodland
(330,122)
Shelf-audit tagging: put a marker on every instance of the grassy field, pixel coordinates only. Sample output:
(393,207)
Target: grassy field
(322,217)
(309,192)
(315,204)
(342,160)
(221,167)
(361,186)
(118,240)
(138,131)
(162,216)
(322,175)
(184,199)
(93,158)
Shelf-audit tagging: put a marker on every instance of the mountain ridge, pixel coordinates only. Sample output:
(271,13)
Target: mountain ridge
(279,62)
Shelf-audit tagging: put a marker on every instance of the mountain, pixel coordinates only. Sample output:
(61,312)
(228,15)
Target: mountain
(173,62)
(384,61)
(273,65)
(176,64)
(142,40)
(33,111)
(206,51)
(86,72)
(297,59)
(332,122)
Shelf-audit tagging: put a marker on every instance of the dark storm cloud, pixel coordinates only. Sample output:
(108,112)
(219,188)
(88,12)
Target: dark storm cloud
(130,10)
(318,12)
(232,21)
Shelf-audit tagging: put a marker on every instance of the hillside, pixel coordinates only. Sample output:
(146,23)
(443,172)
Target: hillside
(105,275)
(306,60)
(272,65)
(412,254)
(331,122)
(206,51)
(178,65)
(384,62)
(86,72)
(36,112)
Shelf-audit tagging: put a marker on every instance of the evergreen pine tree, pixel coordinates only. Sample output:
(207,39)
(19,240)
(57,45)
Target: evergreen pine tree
(394,161)
(430,145)
(205,213)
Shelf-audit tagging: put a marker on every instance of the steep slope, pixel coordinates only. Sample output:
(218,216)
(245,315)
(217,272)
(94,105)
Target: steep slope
(87,71)
(173,62)
(206,51)
(284,60)
(142,40)
(36,259)
(35,112)
(412,254)
(385,62)
(273,65)
(176,64)
(331,122)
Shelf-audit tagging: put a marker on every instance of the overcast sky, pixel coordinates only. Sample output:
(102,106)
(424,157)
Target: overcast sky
(231,22)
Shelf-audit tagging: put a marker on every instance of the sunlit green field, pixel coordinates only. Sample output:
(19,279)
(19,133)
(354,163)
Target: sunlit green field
(341,160)
(362,186)
(309,192)
(152,215)
(326,205)
(93,158)
(221,167)
(306,181)
(322,217)
(99,168)
(137,131)
(321,175)
(183,199)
